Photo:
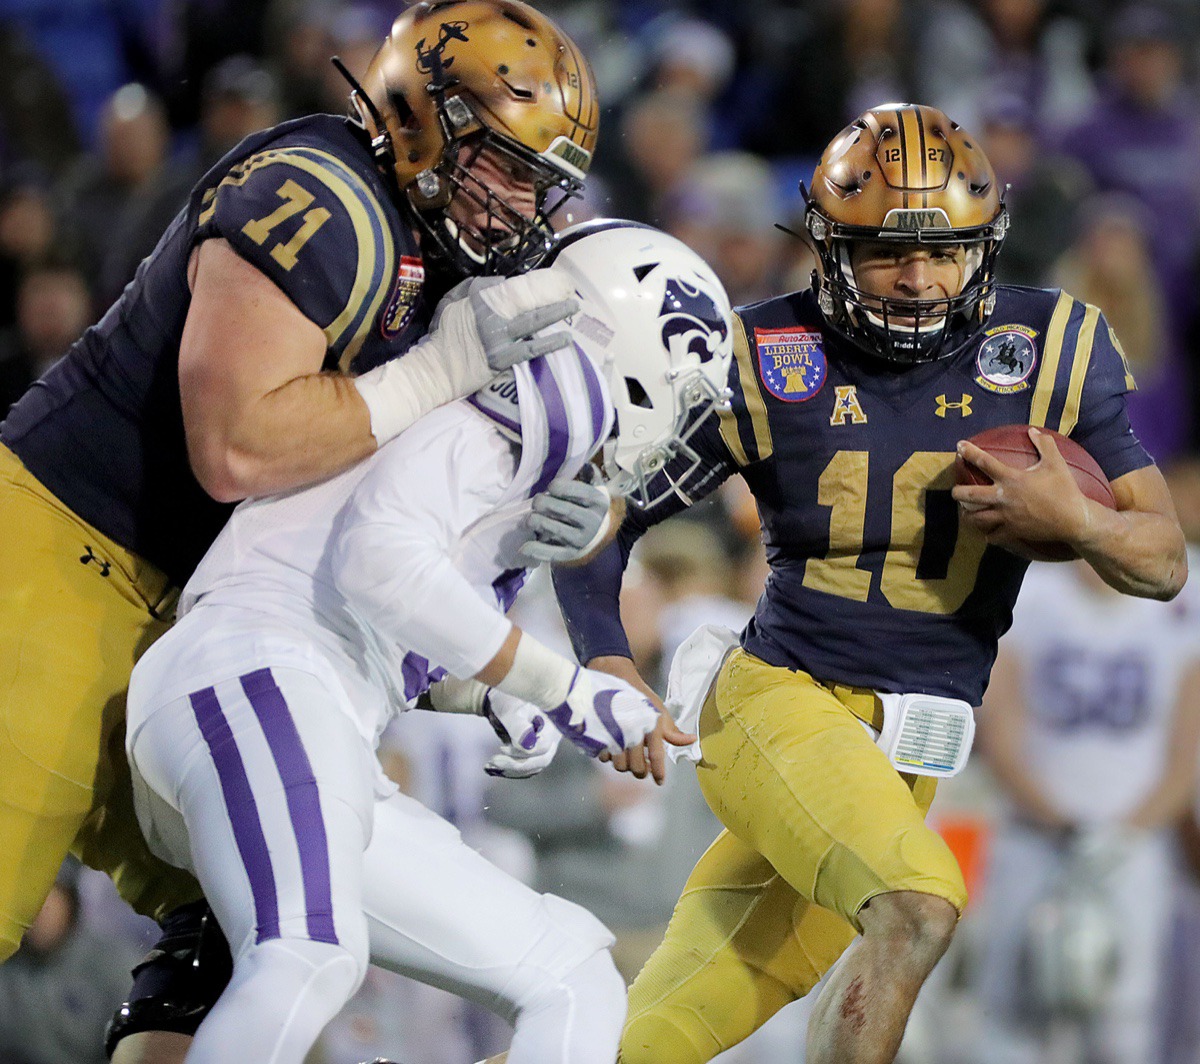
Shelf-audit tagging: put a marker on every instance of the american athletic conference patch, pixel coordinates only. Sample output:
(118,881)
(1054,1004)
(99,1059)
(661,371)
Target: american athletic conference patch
(1006,359)
(409,280)
(791,362)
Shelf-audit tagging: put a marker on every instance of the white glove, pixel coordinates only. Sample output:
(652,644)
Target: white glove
(602,712)
(569,519)
(481,326)
(529,743)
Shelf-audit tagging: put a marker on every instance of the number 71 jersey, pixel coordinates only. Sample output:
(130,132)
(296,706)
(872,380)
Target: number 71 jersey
(874,580)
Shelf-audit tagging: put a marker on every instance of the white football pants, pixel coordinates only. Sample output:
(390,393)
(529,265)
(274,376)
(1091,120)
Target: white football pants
(264,789)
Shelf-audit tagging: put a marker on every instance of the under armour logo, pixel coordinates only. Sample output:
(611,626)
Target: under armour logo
(963,406)
(105,567)
(846,407)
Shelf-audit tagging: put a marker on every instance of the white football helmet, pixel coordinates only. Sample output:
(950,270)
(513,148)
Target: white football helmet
(658,323)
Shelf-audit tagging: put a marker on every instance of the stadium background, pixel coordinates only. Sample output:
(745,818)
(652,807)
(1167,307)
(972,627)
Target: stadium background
(1090,111)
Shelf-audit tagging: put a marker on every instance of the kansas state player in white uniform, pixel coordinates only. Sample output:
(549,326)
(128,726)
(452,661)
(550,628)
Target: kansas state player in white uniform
(317,614)
(1091,727)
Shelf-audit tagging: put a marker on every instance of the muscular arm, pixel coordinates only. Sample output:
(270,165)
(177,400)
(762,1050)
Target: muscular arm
(259,415)
(1137,548)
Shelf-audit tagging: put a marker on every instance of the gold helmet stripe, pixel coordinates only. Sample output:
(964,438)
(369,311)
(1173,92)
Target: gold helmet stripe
(924,156)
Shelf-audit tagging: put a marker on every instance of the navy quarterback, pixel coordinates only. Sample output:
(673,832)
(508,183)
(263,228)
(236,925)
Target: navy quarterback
(887,594)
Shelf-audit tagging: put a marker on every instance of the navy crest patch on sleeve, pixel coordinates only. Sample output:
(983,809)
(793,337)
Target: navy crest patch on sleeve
(791,362)
(1006,359)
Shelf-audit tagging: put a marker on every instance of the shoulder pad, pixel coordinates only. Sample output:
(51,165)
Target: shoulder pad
(311,223)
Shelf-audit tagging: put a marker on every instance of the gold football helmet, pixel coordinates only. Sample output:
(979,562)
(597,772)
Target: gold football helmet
(459,77)
(907,174)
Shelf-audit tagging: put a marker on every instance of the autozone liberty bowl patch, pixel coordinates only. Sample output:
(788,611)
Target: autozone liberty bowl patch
(791,362)
(409,280)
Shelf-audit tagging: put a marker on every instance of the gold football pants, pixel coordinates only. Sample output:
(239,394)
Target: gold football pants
(818,822)
(76,612)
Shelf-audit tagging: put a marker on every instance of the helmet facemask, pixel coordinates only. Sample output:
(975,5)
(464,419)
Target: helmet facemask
(511,240)
(461,86)
(699,400)
(894,328)
(657,322)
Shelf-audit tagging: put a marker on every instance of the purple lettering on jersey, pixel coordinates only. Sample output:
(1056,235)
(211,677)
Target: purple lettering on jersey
(303,799)
(1082,688)
(791,362)
(241,809)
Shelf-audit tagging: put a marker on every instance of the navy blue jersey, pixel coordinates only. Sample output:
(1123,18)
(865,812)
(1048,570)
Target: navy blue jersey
(304,204)
(873,581)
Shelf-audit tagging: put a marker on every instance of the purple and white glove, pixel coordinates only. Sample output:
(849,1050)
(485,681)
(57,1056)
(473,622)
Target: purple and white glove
(596,711)
(529,743)
(602,712)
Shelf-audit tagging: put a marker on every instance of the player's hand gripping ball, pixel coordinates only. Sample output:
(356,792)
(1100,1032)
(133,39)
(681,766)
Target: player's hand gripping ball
(1011,445)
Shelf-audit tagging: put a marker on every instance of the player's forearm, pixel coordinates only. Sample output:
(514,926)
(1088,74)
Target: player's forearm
(589,597)
(308,429)
(1134,552)
(402,585)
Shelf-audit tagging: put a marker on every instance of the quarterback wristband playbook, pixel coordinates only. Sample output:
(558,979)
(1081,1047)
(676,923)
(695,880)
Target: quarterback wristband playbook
(926,735)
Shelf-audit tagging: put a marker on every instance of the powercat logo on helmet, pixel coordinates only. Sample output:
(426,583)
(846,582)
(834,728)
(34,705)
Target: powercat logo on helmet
(691,313)
(430,60)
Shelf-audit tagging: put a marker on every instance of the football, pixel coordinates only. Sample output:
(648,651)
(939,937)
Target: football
(1012,445)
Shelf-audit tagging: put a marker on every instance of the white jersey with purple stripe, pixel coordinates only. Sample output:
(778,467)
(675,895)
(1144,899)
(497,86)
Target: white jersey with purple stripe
(404,565)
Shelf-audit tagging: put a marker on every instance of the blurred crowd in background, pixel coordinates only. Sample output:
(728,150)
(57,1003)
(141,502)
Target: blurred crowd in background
(714,112)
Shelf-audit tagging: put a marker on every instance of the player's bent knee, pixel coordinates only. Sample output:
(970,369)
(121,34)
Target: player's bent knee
(652,1038)
(570,936)
(921,922)
(324,971)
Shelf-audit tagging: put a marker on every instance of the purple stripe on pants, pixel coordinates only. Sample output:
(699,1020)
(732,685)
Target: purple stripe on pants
(558,429)
(242,810)
(303,800)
